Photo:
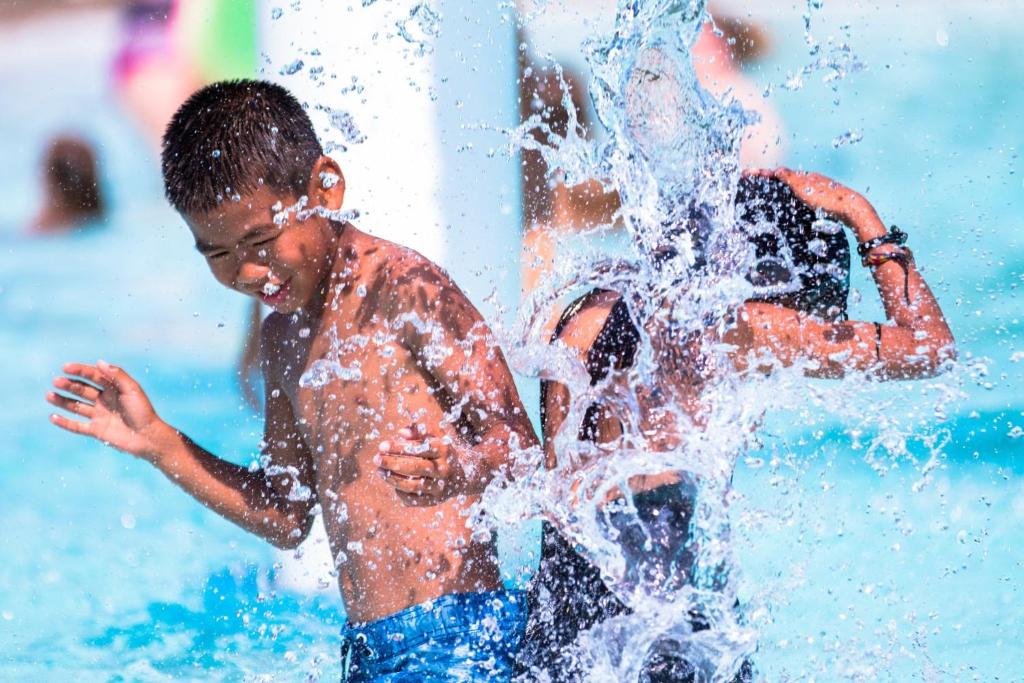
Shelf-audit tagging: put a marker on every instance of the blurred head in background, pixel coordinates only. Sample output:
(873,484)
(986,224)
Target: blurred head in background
(71,186)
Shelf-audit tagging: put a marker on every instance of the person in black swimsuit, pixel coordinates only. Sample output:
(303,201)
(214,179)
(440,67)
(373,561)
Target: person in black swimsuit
(567,595)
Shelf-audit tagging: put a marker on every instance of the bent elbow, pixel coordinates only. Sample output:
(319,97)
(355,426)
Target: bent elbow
(949,352)
(937,360)
(944,356)
(291,532)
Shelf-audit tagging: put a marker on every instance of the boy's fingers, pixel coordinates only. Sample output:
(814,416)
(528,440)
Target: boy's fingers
(87,372)
(122,380)
(71,425)
(69,404)
(79,389)
(411,485)
(407,466)
(412,448)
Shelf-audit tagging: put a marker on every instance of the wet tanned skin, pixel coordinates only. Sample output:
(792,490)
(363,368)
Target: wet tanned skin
(401,548)
(914,343)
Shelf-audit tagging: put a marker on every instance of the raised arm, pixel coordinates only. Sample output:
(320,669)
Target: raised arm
(462,362)
(914,343)
(273,502)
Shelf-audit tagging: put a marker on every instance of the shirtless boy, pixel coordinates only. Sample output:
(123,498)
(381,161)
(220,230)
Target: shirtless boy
(388,407)
(568,595)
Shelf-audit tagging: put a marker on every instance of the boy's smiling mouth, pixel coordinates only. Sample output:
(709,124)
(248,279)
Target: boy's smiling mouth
(273,293)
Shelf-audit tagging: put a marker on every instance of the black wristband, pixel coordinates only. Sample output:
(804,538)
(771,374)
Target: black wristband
(894,236)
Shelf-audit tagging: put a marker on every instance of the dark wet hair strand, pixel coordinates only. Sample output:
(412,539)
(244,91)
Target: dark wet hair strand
(231,137)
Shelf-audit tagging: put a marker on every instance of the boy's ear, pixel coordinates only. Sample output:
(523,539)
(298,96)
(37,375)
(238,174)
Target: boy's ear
(327,184)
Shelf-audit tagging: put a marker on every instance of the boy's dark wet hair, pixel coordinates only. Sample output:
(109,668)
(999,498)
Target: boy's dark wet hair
(231,137)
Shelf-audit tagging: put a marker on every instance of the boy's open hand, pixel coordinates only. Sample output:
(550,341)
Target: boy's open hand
(116,409)
(821,192)
(422,467)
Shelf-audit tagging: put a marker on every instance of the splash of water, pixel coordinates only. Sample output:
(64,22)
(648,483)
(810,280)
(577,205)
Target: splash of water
(671,151)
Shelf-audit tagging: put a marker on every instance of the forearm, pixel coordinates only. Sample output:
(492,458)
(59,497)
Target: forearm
(906,298)
(242,496)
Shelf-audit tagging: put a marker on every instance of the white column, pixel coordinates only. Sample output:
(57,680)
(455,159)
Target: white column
(429,78)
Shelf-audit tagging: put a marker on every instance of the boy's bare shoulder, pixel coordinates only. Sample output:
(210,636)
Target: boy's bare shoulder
(398,267)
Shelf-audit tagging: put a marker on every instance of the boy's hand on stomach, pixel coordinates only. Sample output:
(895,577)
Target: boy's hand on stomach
(116,409)
(422,467)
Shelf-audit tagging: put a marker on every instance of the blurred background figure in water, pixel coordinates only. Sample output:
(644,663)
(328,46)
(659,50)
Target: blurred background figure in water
(725,47)
(169,49)
(72,194)
(551,209)
(152,73)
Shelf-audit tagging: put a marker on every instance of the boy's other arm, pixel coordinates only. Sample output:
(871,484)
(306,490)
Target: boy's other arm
(270,502)
(463,363)
(914,344)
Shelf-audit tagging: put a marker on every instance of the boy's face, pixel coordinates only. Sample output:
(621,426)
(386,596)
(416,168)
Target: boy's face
(282,265)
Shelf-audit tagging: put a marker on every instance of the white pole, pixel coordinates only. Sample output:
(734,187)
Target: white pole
(409,90)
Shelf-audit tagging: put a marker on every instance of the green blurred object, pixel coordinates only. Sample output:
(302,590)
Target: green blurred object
(221,35)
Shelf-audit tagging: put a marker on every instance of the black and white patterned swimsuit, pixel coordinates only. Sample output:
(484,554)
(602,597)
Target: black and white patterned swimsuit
(567,595)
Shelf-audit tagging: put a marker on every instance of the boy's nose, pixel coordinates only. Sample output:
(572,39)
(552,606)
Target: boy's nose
(251,274)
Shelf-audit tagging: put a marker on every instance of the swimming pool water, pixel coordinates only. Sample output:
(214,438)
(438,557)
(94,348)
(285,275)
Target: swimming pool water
(110,573)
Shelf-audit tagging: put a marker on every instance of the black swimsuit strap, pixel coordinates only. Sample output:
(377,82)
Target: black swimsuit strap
(614,346)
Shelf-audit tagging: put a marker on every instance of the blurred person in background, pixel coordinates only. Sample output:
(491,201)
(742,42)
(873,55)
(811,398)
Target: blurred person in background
(72,196)
(169,49)
(152,73)
(726,45)
(551,208)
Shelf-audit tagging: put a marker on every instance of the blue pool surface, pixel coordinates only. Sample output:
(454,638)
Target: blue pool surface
(108,572)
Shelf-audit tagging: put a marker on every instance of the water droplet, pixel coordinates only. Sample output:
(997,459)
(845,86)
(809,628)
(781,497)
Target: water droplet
(292,68)
(322,372)
(128,520)
(276,13)
(942,37)
(421,26)
(850,137)
(343,122)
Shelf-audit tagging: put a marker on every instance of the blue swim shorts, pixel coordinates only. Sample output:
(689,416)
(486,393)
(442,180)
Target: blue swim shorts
(458,637)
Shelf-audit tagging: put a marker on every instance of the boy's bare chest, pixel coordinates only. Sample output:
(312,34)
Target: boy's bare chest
(350,388)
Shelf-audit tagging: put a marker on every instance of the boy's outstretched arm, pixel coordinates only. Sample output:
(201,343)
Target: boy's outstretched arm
(273,503)
(914,344)
(466,369)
